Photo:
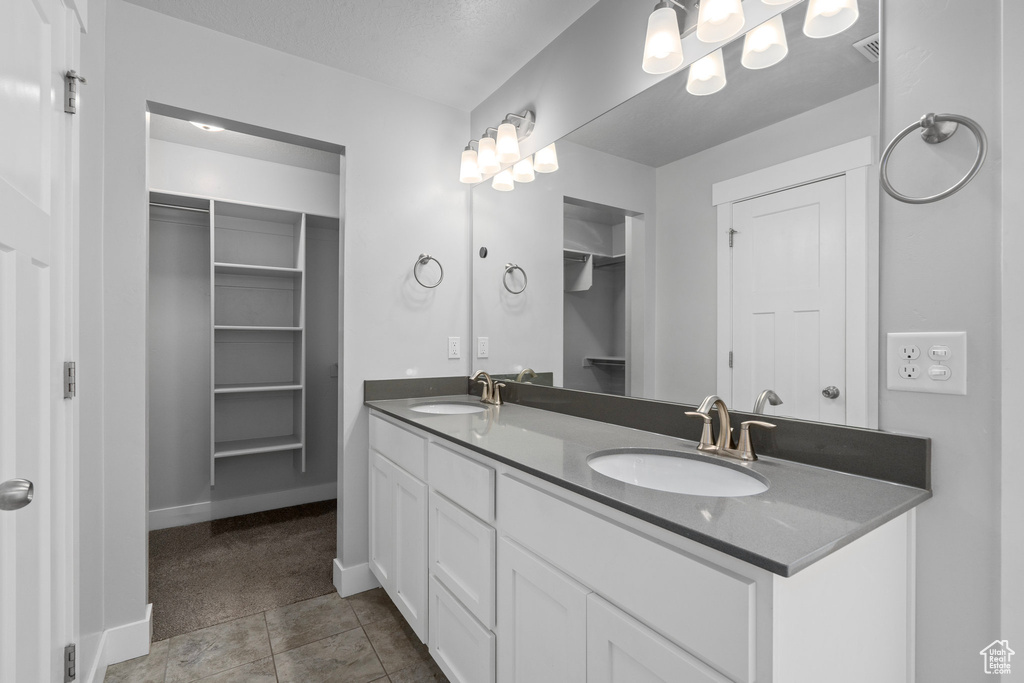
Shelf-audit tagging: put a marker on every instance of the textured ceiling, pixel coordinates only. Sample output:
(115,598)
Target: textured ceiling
(230,142)
(665,123)
(456,52)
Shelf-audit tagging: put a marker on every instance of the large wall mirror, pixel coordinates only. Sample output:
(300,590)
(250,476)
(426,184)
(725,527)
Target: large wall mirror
(690,245)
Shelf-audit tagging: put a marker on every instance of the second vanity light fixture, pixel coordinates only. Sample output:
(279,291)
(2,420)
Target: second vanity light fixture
(719,20)
(500,147)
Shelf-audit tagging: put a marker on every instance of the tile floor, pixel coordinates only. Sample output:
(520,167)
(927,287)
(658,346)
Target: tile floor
(328,639)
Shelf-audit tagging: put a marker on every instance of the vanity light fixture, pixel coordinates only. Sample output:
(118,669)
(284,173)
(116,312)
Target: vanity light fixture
(546,160)
(469,172)
(209,128)
(707,75)
(522,172)
(828,17)
(487,156)
(719,20)
(507,144)
(504,181)
(663,49)
(765,45)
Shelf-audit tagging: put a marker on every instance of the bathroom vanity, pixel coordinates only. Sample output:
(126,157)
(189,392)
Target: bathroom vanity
(515,561)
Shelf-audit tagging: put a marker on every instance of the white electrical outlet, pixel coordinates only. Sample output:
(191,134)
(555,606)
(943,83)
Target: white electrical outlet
(454,347)
(929,362)
(482,347)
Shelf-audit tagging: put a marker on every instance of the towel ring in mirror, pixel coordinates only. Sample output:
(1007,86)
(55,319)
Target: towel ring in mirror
(509,268)
(423,260)
(937,127)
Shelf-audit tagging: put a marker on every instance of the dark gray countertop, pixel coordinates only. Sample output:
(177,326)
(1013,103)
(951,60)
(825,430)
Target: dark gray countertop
(806,513)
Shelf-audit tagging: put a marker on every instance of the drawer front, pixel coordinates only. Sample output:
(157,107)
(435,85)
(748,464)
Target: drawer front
(461,556)
(647,579)
(622,650)
(401,446)
(465,481)
(460,645)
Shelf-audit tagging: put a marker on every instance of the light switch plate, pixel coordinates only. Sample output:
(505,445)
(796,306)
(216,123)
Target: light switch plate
(924,373)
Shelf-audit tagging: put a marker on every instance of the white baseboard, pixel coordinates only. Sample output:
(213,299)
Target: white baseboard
(121,643)
(351,580)
(244,505)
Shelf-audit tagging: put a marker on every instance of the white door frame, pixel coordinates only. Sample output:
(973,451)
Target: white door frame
(856,161)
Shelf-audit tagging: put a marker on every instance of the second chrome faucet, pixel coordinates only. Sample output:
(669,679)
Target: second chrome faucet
(492,390)
(724,445)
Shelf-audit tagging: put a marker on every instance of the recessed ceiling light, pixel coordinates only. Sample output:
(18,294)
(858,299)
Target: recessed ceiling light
(206,127)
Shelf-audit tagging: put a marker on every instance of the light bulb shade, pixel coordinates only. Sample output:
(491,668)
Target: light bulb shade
(765,45)
(469,171)
(546,160)
(663,51)
(504,181)
(719,20)
(707,75)
(522,172)
(507,145)
(487,157)
(828,17)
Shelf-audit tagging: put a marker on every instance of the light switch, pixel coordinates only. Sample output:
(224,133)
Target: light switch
(943,371)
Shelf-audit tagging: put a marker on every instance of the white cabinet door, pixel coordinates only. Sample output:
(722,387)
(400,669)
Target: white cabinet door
(461,556)
(622,650)
(542,621)
(398,539)
(460,645)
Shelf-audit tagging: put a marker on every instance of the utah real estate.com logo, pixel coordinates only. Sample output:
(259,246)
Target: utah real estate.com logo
(997,657)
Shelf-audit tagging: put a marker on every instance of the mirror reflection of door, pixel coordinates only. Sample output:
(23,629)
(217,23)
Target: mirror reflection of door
(789,299)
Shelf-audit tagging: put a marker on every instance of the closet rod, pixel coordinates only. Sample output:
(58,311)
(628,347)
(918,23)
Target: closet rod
(183,208)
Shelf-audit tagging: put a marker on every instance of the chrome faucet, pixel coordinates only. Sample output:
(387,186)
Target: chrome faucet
(522,374)
(724,446)
(767,396)
(492,391)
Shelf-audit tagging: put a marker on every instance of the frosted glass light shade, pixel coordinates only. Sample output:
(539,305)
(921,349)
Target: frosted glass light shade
(503,181)
(546,160)
(507,146)
(663,50)
(719,20)
(522,172)
(469,171)
(828,17)
(707,75)
(765,45)
(487,157)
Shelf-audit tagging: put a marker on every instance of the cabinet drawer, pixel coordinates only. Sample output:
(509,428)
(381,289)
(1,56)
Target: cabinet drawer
(458,643)
(402,447)
(641,575)
(461,556)
(622,650)
(465,481)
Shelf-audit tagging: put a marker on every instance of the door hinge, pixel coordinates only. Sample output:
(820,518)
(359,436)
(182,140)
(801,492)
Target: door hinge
(71,81)
(69,663)
(69,379)
(731,233)
(730,359)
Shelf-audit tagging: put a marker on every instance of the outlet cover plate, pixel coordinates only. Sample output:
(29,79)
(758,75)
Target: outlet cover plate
(924,382)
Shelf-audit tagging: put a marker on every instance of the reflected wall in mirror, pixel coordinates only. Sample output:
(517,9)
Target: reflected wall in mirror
(633,287)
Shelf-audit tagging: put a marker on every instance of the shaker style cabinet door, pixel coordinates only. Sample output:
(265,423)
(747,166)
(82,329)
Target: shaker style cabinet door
(542,620)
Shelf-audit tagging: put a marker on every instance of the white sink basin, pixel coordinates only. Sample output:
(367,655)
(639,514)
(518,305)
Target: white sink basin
(677,473)
(448,408)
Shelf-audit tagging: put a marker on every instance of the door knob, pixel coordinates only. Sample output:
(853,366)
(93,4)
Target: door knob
(830,392)
(15,494)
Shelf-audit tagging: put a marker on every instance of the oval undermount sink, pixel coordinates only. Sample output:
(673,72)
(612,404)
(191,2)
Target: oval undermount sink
(677,473)
(448,408)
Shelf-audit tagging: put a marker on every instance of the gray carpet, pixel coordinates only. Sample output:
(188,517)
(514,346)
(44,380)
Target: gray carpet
(212,572)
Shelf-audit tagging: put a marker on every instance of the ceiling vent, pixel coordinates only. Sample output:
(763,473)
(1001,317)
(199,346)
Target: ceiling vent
(869,47)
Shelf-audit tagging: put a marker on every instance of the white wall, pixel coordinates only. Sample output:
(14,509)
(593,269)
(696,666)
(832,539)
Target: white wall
(525,227)
(687,222)
(939,270)
(394,211)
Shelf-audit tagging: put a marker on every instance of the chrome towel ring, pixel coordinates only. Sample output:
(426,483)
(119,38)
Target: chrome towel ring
(423,260)
(937,127)
(509,268)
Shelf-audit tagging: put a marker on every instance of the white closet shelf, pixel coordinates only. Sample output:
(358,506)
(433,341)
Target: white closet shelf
(264,328)
(247,269)
(618,361)
(255,387)
(266,444)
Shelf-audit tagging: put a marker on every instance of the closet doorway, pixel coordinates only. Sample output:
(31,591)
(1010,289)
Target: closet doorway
(243,350)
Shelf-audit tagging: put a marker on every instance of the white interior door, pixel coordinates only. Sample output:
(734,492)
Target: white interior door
(38,43)
(789,300)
